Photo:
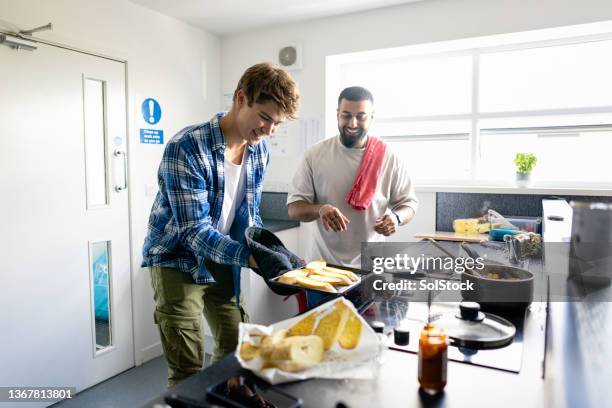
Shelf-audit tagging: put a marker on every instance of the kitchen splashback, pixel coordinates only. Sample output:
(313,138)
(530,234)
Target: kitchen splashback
(273,206)
(450,206)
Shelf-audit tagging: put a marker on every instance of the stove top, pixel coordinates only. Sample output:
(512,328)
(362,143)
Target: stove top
(399,311)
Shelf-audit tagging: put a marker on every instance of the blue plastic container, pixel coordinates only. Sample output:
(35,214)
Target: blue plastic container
(497,234)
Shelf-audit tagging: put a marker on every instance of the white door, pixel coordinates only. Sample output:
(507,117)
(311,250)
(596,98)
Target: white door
(64,219)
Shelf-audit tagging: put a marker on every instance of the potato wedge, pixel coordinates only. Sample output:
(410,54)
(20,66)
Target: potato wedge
(346,280)
(351,275)
(315,284)
(329,279)
(316,265)
(290,277)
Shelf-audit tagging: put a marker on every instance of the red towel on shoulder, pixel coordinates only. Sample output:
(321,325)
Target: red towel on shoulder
(361,194)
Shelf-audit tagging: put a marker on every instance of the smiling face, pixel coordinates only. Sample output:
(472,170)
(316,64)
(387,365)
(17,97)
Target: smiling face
(258,120)
(354,120)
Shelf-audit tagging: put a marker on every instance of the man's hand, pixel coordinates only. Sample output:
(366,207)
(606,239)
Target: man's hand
(386,225)
(332,218)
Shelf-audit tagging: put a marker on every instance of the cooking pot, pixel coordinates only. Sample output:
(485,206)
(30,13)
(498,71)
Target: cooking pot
(497,286)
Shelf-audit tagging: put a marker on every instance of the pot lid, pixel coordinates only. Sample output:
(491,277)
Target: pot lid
(469,327)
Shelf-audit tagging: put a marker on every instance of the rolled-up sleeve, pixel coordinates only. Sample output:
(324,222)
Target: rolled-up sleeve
(402,189)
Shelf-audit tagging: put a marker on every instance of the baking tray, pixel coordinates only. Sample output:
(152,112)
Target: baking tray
(341,289)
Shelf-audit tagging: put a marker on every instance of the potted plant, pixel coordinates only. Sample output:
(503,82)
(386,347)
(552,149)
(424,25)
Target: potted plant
(525,162)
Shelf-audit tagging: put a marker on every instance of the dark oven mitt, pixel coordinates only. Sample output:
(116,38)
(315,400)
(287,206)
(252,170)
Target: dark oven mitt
(272,258)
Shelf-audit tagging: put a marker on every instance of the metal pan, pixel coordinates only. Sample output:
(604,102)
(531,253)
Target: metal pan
(513,289)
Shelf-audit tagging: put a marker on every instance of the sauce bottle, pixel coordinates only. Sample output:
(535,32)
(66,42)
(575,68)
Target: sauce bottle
(433,359)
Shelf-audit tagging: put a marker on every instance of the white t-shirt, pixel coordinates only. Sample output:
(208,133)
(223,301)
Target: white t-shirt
(326,175)
(233,192)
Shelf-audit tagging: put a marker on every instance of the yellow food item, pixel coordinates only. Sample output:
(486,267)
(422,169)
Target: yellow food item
(297,353)
(315,284)
(329,279)
(269,342)
(248,351)
(344,279)
(305,326)
(316,265)
(352,276)
(351,334)
(482,228)
(291,276)
(469,225)
(305,343)
(330,325)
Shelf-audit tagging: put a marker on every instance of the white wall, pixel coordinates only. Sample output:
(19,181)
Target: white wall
(421,22)
(417,23)
(164,62)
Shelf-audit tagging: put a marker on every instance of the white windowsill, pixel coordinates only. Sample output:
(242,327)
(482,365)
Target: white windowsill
(466,188)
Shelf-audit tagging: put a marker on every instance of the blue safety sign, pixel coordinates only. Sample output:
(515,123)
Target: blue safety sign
(151,136)
(151,111)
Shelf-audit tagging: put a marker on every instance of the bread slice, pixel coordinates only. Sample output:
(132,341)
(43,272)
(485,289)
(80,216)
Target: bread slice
(315,284)
(290,277)
(351,334)
(248,351)
(269,342)
(344,279)
(330,325)
(297,353)
(351,275)
(305,326)
(328,279)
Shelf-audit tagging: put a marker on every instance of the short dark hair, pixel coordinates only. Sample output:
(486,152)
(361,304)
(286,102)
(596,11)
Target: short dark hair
(355,94)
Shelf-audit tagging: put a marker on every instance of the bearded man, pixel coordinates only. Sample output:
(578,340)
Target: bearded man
(354,187)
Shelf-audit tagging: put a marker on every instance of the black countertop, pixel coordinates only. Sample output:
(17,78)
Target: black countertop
(273,212)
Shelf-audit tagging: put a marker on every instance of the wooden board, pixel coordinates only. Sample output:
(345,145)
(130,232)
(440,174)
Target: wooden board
(453,236)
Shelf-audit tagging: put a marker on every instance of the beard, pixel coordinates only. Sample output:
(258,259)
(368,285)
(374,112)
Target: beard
(351,140)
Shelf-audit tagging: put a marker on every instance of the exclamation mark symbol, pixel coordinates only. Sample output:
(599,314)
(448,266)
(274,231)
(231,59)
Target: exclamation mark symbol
(151,111)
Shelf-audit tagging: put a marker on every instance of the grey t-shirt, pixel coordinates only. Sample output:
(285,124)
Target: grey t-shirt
(326,176)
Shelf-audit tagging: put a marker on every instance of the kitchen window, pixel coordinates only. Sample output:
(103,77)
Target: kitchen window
(460,115)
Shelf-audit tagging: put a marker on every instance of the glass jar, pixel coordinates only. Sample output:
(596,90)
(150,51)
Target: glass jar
(433,359)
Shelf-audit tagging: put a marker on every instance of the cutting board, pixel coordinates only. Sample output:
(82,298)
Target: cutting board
(453,236)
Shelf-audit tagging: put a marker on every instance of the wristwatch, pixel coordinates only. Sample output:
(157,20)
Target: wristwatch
(397,217)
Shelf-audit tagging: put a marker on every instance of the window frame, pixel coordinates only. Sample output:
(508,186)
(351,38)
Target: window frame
(336,65)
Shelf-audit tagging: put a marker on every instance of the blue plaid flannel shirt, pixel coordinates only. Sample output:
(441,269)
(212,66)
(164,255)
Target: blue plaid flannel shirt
(182,230)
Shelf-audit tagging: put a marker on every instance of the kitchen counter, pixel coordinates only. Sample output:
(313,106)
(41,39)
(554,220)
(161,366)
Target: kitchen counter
(273,212)
(275,225)
(395,383)
(578,352)
(565,360)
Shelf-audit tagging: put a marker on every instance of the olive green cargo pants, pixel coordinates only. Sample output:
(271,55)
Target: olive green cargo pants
(178,313)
